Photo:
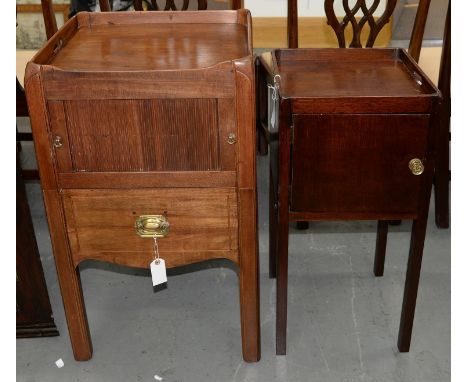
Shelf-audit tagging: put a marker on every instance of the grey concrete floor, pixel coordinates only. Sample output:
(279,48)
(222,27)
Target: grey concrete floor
(343,322)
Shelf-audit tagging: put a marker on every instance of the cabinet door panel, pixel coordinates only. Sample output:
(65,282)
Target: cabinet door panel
(357,162)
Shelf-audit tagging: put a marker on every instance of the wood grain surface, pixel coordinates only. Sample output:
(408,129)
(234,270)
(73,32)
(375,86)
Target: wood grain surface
(150,135)
(153,46)
(349,73)
(101,224)
(328,176)
(215,82)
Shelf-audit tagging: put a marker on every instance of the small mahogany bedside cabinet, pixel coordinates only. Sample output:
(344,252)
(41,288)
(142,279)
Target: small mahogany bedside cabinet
(144,126)
(351,138)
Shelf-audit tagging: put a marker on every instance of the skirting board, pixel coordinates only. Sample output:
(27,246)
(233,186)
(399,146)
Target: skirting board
(314,32)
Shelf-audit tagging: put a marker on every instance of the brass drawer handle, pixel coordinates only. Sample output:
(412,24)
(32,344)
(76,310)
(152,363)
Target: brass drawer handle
(152,226)
(416,166)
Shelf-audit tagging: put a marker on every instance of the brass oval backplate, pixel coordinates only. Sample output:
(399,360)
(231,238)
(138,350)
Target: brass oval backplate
(152,226)
(416,166)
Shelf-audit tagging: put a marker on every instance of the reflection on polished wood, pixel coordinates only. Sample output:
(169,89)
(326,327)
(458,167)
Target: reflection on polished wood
(152,47)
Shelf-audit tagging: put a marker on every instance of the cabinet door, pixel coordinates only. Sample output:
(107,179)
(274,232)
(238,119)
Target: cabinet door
(357,163)
(111,135)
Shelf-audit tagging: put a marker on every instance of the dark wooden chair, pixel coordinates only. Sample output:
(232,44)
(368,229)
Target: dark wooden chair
(33,311)
(50,23)
(21,104)
(106,6)
(49,15)
(357,24)
(170,5)
(22,111)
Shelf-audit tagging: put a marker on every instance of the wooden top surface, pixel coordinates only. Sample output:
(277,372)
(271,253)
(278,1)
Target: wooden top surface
(348,73)
(152,44)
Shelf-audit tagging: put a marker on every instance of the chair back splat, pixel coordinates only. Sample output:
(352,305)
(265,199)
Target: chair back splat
(169,5)
(358,22)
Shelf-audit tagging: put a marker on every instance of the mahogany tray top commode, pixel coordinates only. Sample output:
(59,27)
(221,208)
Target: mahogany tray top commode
(143,121)
(353,139)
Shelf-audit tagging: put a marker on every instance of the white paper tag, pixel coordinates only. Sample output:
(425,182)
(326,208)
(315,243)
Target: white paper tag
(158,272)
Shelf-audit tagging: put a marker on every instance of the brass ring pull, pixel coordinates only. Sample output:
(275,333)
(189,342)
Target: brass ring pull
(152,226)
(416,166)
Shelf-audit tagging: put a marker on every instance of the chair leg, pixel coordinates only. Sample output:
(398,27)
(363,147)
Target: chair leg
(411,285)
(380,247)
(273,227)
(282,285)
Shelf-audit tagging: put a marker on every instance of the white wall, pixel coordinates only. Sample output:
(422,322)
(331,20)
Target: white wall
(306,8)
